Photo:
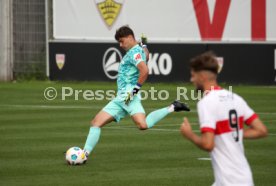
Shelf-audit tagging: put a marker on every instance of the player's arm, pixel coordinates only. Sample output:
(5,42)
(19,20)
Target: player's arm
(255,130)
(205,141)
(147,53)
(143,75)
(143,44)
(144,72)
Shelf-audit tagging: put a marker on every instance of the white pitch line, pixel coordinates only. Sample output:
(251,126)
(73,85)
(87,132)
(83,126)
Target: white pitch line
(52,106)
(134,128)
(97,107)
(267,113)
(156,129)
(205,159)
(90,107)
(178,124)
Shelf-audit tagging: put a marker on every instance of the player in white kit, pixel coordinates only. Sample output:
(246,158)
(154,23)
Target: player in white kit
(222,115)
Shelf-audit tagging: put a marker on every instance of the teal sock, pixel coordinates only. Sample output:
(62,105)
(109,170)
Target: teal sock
(92,138)
(156,116)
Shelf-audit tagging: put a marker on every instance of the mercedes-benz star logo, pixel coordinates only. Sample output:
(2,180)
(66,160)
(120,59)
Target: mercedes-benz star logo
(111,62)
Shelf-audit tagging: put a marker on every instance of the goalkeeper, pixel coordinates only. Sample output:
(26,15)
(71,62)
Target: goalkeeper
(132,73)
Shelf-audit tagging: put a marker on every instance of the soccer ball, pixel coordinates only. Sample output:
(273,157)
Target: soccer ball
(75,156)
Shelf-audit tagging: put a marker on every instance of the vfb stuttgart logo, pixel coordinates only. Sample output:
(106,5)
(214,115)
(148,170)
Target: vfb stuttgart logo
(109,10)
(111,62)
(60,60)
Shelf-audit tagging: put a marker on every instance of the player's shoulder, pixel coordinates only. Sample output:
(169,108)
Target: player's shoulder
(209,96)
(216,96)
(207,99)
(239,98)
(137,53)
(136,49)
(212,97)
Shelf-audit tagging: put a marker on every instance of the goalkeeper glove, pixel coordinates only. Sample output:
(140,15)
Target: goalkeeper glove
(144,41)
(131,94)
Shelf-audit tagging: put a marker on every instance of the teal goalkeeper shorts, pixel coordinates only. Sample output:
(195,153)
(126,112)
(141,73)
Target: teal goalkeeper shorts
(118,109)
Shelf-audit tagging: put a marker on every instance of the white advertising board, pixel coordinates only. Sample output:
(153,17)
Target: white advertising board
(167,20)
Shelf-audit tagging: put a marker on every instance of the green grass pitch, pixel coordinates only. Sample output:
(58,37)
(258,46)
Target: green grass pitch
(34,133)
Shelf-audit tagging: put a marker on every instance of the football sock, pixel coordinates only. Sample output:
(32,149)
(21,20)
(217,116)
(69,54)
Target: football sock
(156,116)
(92,139)
(171,108)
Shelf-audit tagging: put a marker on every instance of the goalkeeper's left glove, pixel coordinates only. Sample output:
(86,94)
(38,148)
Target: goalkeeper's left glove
(144,41)
(131,94)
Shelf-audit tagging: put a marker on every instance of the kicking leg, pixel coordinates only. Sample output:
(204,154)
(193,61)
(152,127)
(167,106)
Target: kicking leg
(144,122)
(140,121)
(147,122)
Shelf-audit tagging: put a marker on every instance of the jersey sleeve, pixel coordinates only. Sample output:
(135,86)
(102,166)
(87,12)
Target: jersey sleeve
(137,58)
(206,118)
(249,114)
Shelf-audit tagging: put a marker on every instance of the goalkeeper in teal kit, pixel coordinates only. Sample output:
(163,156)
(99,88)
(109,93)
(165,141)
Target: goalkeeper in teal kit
(132,73)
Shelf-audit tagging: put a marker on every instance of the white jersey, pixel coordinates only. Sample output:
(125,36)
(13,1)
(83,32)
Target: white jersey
(224,113)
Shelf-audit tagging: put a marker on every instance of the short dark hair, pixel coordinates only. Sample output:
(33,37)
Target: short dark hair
(123,32)
(206,61)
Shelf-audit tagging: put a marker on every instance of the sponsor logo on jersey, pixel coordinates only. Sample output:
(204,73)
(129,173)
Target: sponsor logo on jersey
(111,62)
(60,61)
(137,56)
(109,10)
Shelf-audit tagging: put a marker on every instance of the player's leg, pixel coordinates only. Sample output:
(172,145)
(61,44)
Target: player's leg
(140,120)
(144,122)
(99,121)
(152,118)
(111,112)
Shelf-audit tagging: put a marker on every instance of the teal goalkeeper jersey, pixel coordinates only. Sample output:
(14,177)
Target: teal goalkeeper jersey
(128,72)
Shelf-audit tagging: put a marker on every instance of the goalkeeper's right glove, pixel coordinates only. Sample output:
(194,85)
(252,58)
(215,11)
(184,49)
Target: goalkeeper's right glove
(131,94)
